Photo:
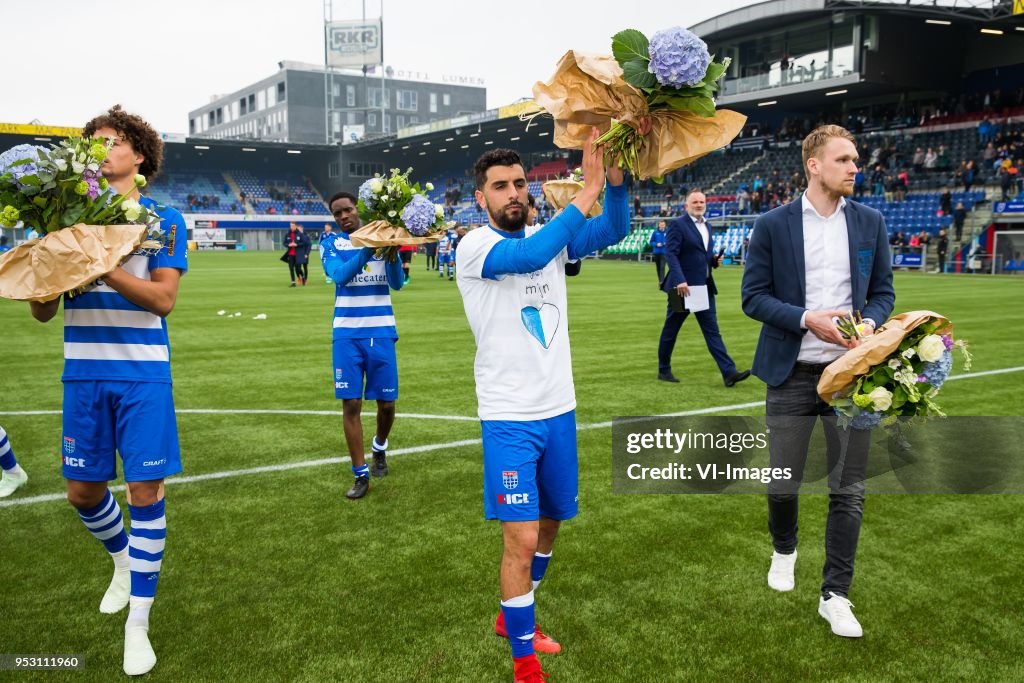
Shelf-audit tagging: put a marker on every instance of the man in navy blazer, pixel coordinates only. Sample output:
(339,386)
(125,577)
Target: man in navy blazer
(691,258)
(808,262)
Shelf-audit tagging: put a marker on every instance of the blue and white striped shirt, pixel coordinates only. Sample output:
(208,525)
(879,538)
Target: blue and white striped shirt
(106,336)
(362,302)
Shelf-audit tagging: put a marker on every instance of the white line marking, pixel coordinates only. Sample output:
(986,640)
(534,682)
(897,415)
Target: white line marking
(244,411)
(398,451)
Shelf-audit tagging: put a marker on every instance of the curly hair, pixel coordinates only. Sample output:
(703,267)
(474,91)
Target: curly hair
(496,157)
(139,134)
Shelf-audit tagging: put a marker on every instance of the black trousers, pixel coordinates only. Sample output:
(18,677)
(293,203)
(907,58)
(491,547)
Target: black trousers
(659,265)
(294,268)
(790,412)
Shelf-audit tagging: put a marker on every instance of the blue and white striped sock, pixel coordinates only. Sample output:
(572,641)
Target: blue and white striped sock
(7,461)
(361,471)
(377,446)
(106,523)
(538,567)
(146,547)
(519,622)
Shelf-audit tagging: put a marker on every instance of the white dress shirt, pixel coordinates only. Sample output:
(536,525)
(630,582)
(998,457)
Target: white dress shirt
(702,228)
(827,282)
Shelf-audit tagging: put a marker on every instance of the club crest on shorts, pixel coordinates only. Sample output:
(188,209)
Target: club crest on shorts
(510,479)
(337,373)
(69,445)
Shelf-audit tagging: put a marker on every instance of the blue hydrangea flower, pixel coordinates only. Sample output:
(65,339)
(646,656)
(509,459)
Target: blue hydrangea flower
(678,57)
(868,419)
(367,195)
(935,373)
(17,154)
(418,215)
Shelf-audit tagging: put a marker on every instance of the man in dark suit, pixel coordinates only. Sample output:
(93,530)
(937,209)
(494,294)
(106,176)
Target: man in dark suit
(691,258)
(808,262)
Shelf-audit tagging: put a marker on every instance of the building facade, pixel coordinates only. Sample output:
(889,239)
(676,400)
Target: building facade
(304,103)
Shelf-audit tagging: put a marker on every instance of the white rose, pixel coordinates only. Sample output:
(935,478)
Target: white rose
(931,348)
(909,353)
(895,363)
(438,210)
(376,185)
(430,187)
(77,166)
(881,398)
(132,209)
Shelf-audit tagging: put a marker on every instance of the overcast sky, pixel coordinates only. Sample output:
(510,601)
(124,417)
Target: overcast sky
(67,60)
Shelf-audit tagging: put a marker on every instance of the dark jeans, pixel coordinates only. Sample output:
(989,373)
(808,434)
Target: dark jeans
(294,268)
(712,337)
(788,408)
(659,265)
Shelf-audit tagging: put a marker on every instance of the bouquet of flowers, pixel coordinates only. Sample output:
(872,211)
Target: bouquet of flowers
(669,80)
(87,229)
(896,372)
(560,193)
(396,213)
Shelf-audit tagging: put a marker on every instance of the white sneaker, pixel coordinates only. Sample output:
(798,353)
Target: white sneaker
(12,481)
(118,592)
(139,657)
(780,575)
(836,611)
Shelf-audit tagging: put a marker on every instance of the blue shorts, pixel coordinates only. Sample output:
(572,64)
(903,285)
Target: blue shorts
(530,469)
(444,259)
(135,419)
(373,359)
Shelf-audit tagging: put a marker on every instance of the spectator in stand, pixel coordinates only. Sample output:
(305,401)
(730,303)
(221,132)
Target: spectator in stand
(1005,182)
(897,242)
(902,184)
(755,200)
(915,241)
(918,160)
(924,238)
(942,248)
(931,159)
(743,200)
(657,243)
(942,162)
(638,209)
(946,201)
(858,185)
(878,181)
(990,152)
(890,187)
(959,216)
(969,175)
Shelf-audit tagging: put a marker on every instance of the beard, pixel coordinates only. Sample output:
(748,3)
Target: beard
(508,223)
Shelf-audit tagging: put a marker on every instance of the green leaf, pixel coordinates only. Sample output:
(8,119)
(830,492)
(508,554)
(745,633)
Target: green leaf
(30,180)
(702,106)
(715,71)
(629,45)
(636,74)
(867,387)
(899,397)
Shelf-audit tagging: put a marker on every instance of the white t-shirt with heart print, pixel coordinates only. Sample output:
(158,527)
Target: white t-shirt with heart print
(523,367)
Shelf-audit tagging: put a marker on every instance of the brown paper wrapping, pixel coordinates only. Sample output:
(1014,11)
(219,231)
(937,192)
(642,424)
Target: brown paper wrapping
(560,193)
(66,259)
(840,376)
(588,91)
(382,234)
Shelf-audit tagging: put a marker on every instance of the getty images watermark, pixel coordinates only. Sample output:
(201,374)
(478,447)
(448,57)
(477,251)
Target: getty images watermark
(759,454)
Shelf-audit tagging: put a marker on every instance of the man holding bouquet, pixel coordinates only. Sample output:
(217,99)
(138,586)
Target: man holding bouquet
(512,281)
(809,262)
(117,389)
(364,338)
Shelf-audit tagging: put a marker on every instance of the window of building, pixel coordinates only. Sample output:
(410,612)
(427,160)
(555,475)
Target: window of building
(387,123)
(271,94)
(407,100)
(281,94)
(375,98)
(350,118)
(241,104)
(371,120)
(333,169)
(335,89)
(350,95)
(400,122)
(335,121)
(261,100)
(211,117)
(220,115)
(447,99)
(433,103)
(252,103)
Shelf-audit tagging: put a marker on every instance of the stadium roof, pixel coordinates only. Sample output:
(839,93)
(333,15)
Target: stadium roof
(780,12)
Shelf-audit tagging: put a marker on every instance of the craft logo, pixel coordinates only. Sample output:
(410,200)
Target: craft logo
(510,479)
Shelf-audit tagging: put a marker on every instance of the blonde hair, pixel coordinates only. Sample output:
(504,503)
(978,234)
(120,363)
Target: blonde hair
(820,136)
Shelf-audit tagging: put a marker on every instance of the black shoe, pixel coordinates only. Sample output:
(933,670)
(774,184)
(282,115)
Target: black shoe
(668,377)
(359,488)
(380,464)
(292,284)
(736,377)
